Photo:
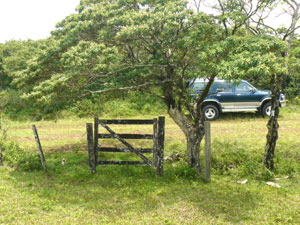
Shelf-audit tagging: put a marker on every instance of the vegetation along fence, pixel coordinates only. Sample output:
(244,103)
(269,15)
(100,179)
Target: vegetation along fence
(158,137)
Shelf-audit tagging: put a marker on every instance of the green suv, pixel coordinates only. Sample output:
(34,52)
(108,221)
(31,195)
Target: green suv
(226,96)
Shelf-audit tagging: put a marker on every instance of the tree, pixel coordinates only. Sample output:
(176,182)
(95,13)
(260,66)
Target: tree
(291,7)
(134,45)
(240,13)
(154,46)
(14,56)
(293,88)
(4,78)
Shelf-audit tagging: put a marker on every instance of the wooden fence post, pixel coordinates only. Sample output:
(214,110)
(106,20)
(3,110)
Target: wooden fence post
(39,146)
(92,160)
(1,160)
(207,150)
(155,142)
(160,145)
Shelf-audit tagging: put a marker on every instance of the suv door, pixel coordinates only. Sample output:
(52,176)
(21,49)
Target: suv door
(246,99)
(225,96)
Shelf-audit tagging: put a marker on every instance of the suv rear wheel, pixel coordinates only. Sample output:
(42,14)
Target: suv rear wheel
(210,112)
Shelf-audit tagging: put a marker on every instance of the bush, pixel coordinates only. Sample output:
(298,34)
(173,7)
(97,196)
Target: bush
(240,159)
(296,100)
(13,106)
(18,158)
(119,105)
(228,156)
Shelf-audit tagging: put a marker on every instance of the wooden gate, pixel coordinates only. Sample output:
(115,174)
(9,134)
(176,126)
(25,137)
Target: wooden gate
(158,137)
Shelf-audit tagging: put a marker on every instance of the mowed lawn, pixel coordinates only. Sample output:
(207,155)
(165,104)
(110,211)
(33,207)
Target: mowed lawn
(69,194)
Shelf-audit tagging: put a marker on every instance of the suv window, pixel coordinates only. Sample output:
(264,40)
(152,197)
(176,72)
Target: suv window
(243,87)
(199,86)
(224,87)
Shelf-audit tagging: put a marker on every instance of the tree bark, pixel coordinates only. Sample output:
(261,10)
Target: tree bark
(272,126)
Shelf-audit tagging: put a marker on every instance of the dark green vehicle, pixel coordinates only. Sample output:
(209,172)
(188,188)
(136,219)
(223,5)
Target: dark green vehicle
(225,96)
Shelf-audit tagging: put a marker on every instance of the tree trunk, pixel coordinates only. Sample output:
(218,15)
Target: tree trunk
(193,126)
(194,136)
(194,139)
(272,126)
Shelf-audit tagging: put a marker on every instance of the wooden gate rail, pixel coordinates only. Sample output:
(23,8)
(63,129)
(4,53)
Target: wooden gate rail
(157,137)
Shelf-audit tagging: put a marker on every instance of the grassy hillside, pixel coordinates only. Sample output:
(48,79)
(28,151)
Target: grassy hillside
(69,194)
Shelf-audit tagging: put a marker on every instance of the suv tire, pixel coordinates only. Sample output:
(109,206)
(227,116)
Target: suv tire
(266,110)
(210,112)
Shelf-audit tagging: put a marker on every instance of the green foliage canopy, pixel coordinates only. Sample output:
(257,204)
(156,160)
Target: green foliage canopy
(138,45)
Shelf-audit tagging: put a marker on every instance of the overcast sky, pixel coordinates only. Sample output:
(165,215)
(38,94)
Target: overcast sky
(32,19)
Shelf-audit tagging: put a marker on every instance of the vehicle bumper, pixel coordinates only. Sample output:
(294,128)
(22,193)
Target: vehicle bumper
(282,100)
(282,104)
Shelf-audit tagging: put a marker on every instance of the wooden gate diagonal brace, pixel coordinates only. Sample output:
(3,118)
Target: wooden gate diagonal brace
(147,161)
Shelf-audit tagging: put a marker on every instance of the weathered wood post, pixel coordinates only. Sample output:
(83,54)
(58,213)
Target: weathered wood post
(160,145)
(1,160)
(96,139)
(155,142)
(92,161)
(207,150)
(39,146)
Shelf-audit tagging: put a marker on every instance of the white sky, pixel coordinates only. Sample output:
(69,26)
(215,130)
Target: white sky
(32,19)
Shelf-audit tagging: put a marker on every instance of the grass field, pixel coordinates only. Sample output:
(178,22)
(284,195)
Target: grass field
(135,195)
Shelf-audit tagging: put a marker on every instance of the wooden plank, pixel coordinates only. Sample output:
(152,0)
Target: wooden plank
(207,150)
(160,146)
(92,161)
(147,161)
(141,150)
(142,163)
(96,138)
(126,136)
(39,146)
(155,142)
(132,122)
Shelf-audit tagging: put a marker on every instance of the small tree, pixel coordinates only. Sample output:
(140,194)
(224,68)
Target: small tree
(252,15)
(277,79)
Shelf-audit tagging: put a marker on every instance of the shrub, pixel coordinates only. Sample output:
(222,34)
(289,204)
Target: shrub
(18,158)
(119,105)
(240,159)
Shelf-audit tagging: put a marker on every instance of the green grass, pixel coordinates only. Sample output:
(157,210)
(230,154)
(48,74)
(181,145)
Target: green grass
(135,195)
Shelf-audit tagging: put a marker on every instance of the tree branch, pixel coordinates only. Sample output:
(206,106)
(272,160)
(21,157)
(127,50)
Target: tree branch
(197,5)
(131,87)
(224,20)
